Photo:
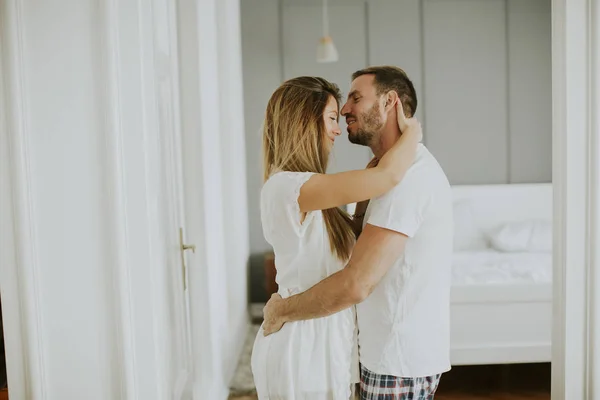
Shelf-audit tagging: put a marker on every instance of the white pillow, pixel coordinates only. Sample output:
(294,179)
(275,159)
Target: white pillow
(467,234)
(528,236)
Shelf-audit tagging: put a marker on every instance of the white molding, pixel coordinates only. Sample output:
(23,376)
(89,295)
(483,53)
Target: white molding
(594,201)
(209,151)
(575,178)
(9,287)
(151,143)
(501,354)
(154,150)
(175,83)
(27,267)
(9,274)
(116,211)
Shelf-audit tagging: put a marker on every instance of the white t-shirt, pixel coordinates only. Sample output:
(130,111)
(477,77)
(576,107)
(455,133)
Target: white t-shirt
(404,325)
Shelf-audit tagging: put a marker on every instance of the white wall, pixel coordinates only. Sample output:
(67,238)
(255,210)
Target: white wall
(481,70)
(81,274)
(53,134)
(576,167)
(80,123)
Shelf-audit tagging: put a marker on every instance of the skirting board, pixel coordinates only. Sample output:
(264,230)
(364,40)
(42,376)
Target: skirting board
(501,354)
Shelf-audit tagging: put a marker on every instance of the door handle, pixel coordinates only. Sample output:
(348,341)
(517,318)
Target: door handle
(183,247)
(191,247)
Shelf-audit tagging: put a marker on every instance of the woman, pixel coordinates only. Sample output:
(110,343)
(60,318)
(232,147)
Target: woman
(312,238)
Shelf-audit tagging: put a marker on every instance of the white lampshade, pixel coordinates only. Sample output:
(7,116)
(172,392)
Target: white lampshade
(326,51)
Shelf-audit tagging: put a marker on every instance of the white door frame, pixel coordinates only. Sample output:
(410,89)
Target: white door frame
(576,168)
(576,162)
(198,71)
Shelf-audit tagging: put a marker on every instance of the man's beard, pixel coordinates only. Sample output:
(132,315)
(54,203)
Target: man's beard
(371,125)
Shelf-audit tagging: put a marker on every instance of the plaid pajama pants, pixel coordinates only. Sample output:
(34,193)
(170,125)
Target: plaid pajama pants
(387,387)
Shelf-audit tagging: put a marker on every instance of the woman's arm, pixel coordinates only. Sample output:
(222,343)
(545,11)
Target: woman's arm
(324,191)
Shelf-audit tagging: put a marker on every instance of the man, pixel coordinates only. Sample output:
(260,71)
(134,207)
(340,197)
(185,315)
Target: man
(399,272)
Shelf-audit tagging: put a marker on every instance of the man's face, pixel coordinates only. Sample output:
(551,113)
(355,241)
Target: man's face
(363,111)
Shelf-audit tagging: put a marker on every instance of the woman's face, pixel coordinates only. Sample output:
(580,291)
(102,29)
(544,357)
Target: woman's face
(332,128)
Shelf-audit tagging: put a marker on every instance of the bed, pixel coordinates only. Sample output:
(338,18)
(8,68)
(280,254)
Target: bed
(501,298)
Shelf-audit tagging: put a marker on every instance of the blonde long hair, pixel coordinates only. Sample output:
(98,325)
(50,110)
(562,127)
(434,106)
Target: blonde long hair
(294,140)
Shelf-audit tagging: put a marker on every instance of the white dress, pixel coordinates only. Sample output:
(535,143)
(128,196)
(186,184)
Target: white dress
(306,360)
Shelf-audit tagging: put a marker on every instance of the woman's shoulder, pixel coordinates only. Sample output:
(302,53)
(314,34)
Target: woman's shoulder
(282,183)
(283,176)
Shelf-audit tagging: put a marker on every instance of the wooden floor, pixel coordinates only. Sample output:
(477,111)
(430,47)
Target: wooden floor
(496,382)
(489,382)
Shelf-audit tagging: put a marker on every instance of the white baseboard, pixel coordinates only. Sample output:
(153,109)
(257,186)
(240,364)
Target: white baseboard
(502,354)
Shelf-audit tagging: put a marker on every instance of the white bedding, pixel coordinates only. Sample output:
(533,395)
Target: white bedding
(494,267)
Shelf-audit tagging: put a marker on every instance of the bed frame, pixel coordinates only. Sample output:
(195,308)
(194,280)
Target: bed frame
(501,324)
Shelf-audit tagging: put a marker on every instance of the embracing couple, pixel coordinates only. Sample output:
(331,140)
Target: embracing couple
(362,298)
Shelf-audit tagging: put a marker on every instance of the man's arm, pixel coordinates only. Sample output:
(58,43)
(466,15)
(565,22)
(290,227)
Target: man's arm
(375,252)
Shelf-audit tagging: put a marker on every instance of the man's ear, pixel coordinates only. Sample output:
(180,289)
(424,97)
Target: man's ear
(391,98)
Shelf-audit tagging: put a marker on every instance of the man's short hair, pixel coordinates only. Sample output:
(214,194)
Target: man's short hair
(389,78)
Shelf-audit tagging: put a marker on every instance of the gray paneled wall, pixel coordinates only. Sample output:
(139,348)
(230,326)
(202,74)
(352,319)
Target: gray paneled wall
(301,32)
(465,92)
(530,91)
(395,38)
(481,69)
